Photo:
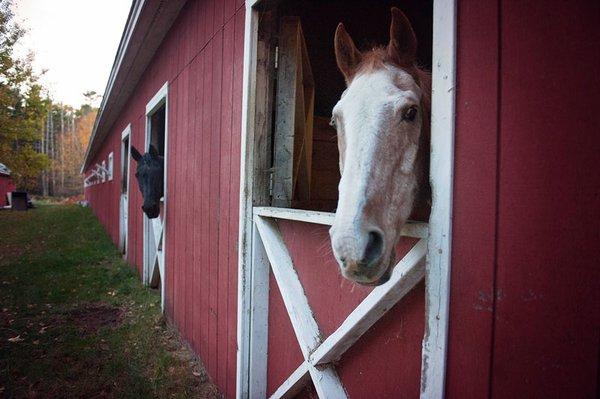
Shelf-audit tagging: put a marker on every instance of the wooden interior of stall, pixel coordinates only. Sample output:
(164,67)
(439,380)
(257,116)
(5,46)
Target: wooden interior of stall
(301,155)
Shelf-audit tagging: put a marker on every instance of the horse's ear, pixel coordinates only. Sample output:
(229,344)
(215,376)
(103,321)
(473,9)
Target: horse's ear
(346,54)
(135,154)
(153,151)
(402,48)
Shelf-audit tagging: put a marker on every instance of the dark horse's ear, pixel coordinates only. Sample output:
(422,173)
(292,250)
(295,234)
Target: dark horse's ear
(135,154)
(153,151)
(346,54)
(402,48)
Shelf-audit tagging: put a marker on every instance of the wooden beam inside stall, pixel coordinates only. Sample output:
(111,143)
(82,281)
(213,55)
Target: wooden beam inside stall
(294,118)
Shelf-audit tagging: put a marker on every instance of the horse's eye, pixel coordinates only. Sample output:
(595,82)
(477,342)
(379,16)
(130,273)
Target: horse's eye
(410,114)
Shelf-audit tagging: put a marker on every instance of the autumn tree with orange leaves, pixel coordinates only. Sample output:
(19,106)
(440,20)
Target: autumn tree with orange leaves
(66,136)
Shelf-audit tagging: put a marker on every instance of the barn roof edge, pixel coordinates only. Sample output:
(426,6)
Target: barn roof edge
(147,25)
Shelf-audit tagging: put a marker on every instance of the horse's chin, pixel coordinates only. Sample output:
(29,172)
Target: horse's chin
(384,278)
(379,279)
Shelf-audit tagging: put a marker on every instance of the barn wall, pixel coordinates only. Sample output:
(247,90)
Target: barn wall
(524,296)
(525,300)
(104,197)
(202,59)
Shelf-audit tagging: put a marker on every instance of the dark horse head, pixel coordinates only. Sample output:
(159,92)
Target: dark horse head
(150,177)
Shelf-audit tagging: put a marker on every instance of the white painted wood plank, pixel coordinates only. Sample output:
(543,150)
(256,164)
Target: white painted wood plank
(300,215)
(154,272)
(156,230)
(410,229)
(415,229)
(245,216)
(160,259)
(259,319)
(294,383)
(433,367)
(164,200)
(407,273)
(159,99)
(163,279)
(301,316)
(327,383)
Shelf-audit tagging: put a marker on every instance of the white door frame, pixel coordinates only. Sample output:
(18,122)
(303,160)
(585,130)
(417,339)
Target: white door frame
(260,241)
(123,224)
(154,260)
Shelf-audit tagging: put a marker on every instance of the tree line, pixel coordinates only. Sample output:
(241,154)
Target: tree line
(41,141)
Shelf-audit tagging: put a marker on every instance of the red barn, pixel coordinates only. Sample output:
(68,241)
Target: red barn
(509,303)
(7,185)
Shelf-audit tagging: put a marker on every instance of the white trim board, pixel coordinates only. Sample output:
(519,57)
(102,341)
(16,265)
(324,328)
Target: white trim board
(410,229)
(243,387)
(157,101)
(437,280)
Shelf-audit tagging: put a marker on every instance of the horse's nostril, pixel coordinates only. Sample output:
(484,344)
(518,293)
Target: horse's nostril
(343,260)
(374,248)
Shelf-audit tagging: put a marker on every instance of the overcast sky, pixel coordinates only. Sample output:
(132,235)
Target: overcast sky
(75,40)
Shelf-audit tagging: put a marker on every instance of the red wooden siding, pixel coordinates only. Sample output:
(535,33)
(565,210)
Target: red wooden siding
(104,197)
(525,298)
(201,58)
(474,213)
(6,186)
(547,276)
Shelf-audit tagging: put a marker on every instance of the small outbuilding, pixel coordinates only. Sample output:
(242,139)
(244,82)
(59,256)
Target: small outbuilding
(7,184)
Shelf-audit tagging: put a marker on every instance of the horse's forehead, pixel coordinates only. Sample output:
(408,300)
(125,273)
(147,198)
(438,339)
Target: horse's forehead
(148,160)
(380,86)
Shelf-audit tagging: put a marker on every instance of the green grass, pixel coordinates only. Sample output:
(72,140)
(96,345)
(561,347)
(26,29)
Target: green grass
(75,320)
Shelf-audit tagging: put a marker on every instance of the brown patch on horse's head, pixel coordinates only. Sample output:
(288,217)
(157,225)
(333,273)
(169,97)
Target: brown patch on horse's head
(400,51)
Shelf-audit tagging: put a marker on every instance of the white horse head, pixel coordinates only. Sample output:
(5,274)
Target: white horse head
(382,121)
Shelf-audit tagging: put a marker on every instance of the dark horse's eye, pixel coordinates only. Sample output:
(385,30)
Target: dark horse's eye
(410,114)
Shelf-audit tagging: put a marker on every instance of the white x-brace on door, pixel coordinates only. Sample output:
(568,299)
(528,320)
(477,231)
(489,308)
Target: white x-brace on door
(320,354)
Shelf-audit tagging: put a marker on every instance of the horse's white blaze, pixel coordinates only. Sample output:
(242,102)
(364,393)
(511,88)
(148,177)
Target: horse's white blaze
(378,150)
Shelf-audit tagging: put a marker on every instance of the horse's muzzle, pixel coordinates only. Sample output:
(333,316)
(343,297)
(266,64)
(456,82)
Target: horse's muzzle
(151,211)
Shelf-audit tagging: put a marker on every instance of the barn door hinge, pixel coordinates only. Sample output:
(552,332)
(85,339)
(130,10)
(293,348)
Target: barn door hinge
(276,57)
